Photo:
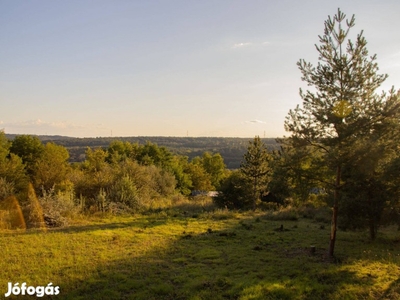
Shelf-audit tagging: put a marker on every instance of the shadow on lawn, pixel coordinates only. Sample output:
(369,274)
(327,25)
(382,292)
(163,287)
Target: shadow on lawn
(140,223)
(252,260)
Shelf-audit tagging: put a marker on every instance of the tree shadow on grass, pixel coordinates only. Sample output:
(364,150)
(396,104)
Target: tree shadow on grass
(253,259)
(139,223)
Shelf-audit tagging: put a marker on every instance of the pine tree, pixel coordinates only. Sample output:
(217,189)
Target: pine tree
(255,167)
(344,107)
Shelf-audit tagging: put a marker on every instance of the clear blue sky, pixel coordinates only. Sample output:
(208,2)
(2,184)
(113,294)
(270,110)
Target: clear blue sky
(169,68)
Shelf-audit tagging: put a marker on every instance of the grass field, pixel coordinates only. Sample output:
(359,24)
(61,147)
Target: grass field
(210,255)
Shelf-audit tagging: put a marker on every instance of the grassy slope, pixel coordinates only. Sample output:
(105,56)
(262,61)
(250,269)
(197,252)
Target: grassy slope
(220,255)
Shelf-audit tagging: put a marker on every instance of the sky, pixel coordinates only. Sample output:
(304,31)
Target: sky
(215,68)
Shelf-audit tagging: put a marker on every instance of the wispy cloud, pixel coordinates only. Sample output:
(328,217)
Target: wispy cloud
(255,122)
(241,45)
(251,45)
(38,123)
(41,127)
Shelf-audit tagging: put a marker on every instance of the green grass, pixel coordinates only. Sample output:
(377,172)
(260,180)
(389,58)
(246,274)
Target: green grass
(220,255)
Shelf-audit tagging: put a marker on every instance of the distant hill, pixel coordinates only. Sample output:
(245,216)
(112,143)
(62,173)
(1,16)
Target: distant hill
(231,149)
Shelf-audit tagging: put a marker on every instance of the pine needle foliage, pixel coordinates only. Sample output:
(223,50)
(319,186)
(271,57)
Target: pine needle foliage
(255,167)
(343,106)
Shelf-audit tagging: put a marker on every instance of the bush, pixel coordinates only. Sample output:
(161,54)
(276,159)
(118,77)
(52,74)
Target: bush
(125,191)
(162,182)
(235,192)
(58,207)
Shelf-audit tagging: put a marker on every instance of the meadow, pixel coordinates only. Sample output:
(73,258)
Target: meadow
(183,253)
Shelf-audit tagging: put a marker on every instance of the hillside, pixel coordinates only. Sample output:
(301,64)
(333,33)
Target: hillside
(201,255)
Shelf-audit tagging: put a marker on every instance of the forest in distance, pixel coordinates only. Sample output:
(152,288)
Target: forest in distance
(231,149)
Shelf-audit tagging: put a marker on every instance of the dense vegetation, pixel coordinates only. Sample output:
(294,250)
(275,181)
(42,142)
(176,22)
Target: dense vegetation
(231,149)
(125,177)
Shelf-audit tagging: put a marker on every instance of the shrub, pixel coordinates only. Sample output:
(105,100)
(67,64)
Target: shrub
(59,207)
(162,182)
(235,192)
(125,191)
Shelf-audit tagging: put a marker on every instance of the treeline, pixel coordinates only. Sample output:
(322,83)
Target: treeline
(231,149)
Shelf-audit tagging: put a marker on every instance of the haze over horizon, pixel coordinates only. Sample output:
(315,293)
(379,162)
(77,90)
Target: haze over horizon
(169,68)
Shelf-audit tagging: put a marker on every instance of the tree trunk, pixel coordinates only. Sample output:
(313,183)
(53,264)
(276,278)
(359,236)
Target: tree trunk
(335,212)
(255,193)
(372,228)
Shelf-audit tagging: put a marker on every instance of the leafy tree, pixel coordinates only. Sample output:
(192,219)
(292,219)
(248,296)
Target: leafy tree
(95,159)
(255,167)
(93,175)
(4,144)
(214,165)
(201,180)
(177,167)
(52,166)
(343,108)
(12,170)
(119,150)
(29,149)
(151,154)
